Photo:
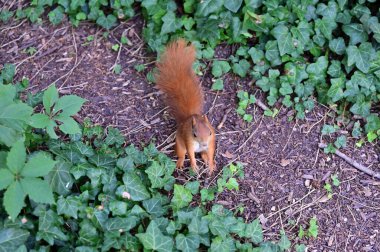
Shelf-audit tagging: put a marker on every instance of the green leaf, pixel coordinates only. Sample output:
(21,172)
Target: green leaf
(300,248)
(60,179)
(38,165)
(68,206)
(356,32)
(233,5)
(373,123)
(48,229)
(114,136)
(219,244)
(219,68)
(12,238)
(360,56)
(49,98)
(241,68)
(154,239)
(207,7)
(117,69)
(284,39)
(69,125)
(56,16)
(284,242)
(69,104)
(313,228)
(340,142)
(328,129)
(38,190)
(39,121)
(326,26)
(135,187)
(188,243)
(8,72)
(107,22)
(171,23)
(272,53)
(198,226)
(336,90)
(254,231)
(154,207)
(361,107)
(182,197)
(337,45)
(217,85)
(335,180)
(335,69)
(14,199)
(6,178)
(16,157)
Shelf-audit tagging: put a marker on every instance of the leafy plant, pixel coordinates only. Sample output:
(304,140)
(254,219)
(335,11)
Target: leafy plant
(58,109)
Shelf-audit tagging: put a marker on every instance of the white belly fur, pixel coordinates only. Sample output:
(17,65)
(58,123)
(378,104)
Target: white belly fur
(198,148)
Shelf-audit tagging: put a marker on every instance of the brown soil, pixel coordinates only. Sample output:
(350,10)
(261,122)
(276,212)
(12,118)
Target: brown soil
(281,157)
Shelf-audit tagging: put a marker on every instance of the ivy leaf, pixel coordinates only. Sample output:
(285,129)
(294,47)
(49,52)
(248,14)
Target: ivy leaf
(198,226)
(56,15)
(12,238)
(272,53)
(48,229)
(340,142)
(14,199)
(8,72)
(16,157)
(241,68)
(219,68)
(154,207)
(337,45)
(360,56)
(60,179)
(217,85)
(114,136)
(182,197)
(313,228)
(38,190)
(68,206)
(207,7)
(154,239)
(326,26)
(335,69)
(107,22)
(188,243)
(373,123)
(69,104)
(220,244)
(135,187)
(254,231)
(284,242)
(233,5)
(356,32)
(284,39)
(328,129)
(336,90)
(171,23)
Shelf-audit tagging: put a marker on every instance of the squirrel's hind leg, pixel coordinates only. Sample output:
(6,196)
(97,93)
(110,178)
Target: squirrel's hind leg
(180,150)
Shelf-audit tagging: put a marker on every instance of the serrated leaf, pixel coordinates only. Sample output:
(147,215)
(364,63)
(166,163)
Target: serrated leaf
(6,178)
(68,206)
(69,104)
(135,187)
(60,179)
(38,190)
(154,239)
(12,238)
(39,121)
(38,165)
(49,98)
(8,72)
(14,199)
(16,157)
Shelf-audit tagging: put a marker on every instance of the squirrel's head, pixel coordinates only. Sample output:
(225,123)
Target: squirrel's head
(201,130)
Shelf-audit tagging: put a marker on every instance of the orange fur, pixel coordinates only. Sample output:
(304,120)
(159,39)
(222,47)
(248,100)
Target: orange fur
(177,80)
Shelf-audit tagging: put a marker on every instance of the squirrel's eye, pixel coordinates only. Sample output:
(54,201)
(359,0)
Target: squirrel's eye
(210,133)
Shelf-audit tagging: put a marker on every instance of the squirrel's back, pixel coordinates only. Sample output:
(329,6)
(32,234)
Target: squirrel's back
(178,81)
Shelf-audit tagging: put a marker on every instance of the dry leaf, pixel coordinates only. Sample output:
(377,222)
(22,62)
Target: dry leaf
(284,162)
(228,155)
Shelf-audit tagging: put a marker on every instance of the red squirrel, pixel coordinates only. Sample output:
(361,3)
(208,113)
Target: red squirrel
(184,96)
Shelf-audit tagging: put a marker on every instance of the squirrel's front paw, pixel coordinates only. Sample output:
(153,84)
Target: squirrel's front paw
(194,166)
(211,167)
(180,162)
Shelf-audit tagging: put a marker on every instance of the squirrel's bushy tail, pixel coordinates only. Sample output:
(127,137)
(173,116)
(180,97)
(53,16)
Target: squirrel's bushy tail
(177,80)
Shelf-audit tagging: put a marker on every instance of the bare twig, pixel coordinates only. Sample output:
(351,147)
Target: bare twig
(224,118)
(261,105)
(354,163)
(250,136)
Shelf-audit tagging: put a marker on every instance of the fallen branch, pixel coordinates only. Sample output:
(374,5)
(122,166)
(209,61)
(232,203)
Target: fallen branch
(261,105)
(352,162)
